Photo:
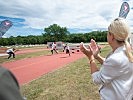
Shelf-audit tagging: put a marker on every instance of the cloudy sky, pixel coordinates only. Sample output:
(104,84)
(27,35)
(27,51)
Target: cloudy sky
(30,17)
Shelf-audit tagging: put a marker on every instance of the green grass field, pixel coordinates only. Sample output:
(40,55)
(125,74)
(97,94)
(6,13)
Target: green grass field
(23,56)
(71,82)
(27,55)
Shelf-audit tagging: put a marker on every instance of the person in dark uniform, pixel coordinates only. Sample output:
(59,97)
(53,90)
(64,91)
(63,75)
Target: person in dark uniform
(9,87)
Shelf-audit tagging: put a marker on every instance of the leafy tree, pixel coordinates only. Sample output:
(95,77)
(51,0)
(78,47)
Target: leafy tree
(40,40)
(55,32)
(3,41)
(77,38)
(19,40)
(11,41)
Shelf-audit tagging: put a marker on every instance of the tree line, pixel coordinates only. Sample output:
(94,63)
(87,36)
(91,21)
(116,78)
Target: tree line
(55,33)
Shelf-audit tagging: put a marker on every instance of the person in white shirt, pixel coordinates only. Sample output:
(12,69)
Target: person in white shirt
(67,49)
(53,48)
(11,52)
(116,73)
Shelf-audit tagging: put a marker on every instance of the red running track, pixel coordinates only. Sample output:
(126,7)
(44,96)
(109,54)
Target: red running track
(29,51)
(29,69)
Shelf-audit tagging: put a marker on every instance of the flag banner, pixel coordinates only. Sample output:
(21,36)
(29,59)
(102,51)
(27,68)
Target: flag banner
(124,10)
(4,26)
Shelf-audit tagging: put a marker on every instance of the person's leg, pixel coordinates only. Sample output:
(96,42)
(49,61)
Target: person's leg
(13,54)
(10,54)
(63,49)
(55,51)
(69,52)
(52,51)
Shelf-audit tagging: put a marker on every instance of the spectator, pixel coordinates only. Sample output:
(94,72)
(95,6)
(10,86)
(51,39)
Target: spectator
(9,87)
(116,74)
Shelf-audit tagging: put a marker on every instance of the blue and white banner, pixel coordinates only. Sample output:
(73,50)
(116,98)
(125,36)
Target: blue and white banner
(124,10)
(4,26)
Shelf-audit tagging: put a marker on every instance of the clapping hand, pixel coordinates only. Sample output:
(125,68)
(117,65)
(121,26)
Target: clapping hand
(93,49)
(87,51)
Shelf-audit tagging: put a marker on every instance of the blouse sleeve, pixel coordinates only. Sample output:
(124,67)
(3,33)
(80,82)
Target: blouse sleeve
(110,70)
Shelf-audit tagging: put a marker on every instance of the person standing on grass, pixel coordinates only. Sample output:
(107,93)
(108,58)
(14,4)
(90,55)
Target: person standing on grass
(11,52)
(54,48)
(116,73)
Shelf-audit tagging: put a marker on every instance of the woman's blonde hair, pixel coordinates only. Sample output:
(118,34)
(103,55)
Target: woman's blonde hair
(121,31)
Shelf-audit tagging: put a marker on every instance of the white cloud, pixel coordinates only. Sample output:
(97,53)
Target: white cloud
(80,14)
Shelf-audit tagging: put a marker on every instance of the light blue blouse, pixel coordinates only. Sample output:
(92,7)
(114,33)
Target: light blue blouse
(115,77)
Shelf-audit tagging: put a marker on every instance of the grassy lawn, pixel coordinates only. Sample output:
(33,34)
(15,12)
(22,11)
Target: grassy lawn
(23,56)
(71,82)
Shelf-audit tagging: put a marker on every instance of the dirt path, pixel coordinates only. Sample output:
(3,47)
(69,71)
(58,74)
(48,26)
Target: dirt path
(29,69)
